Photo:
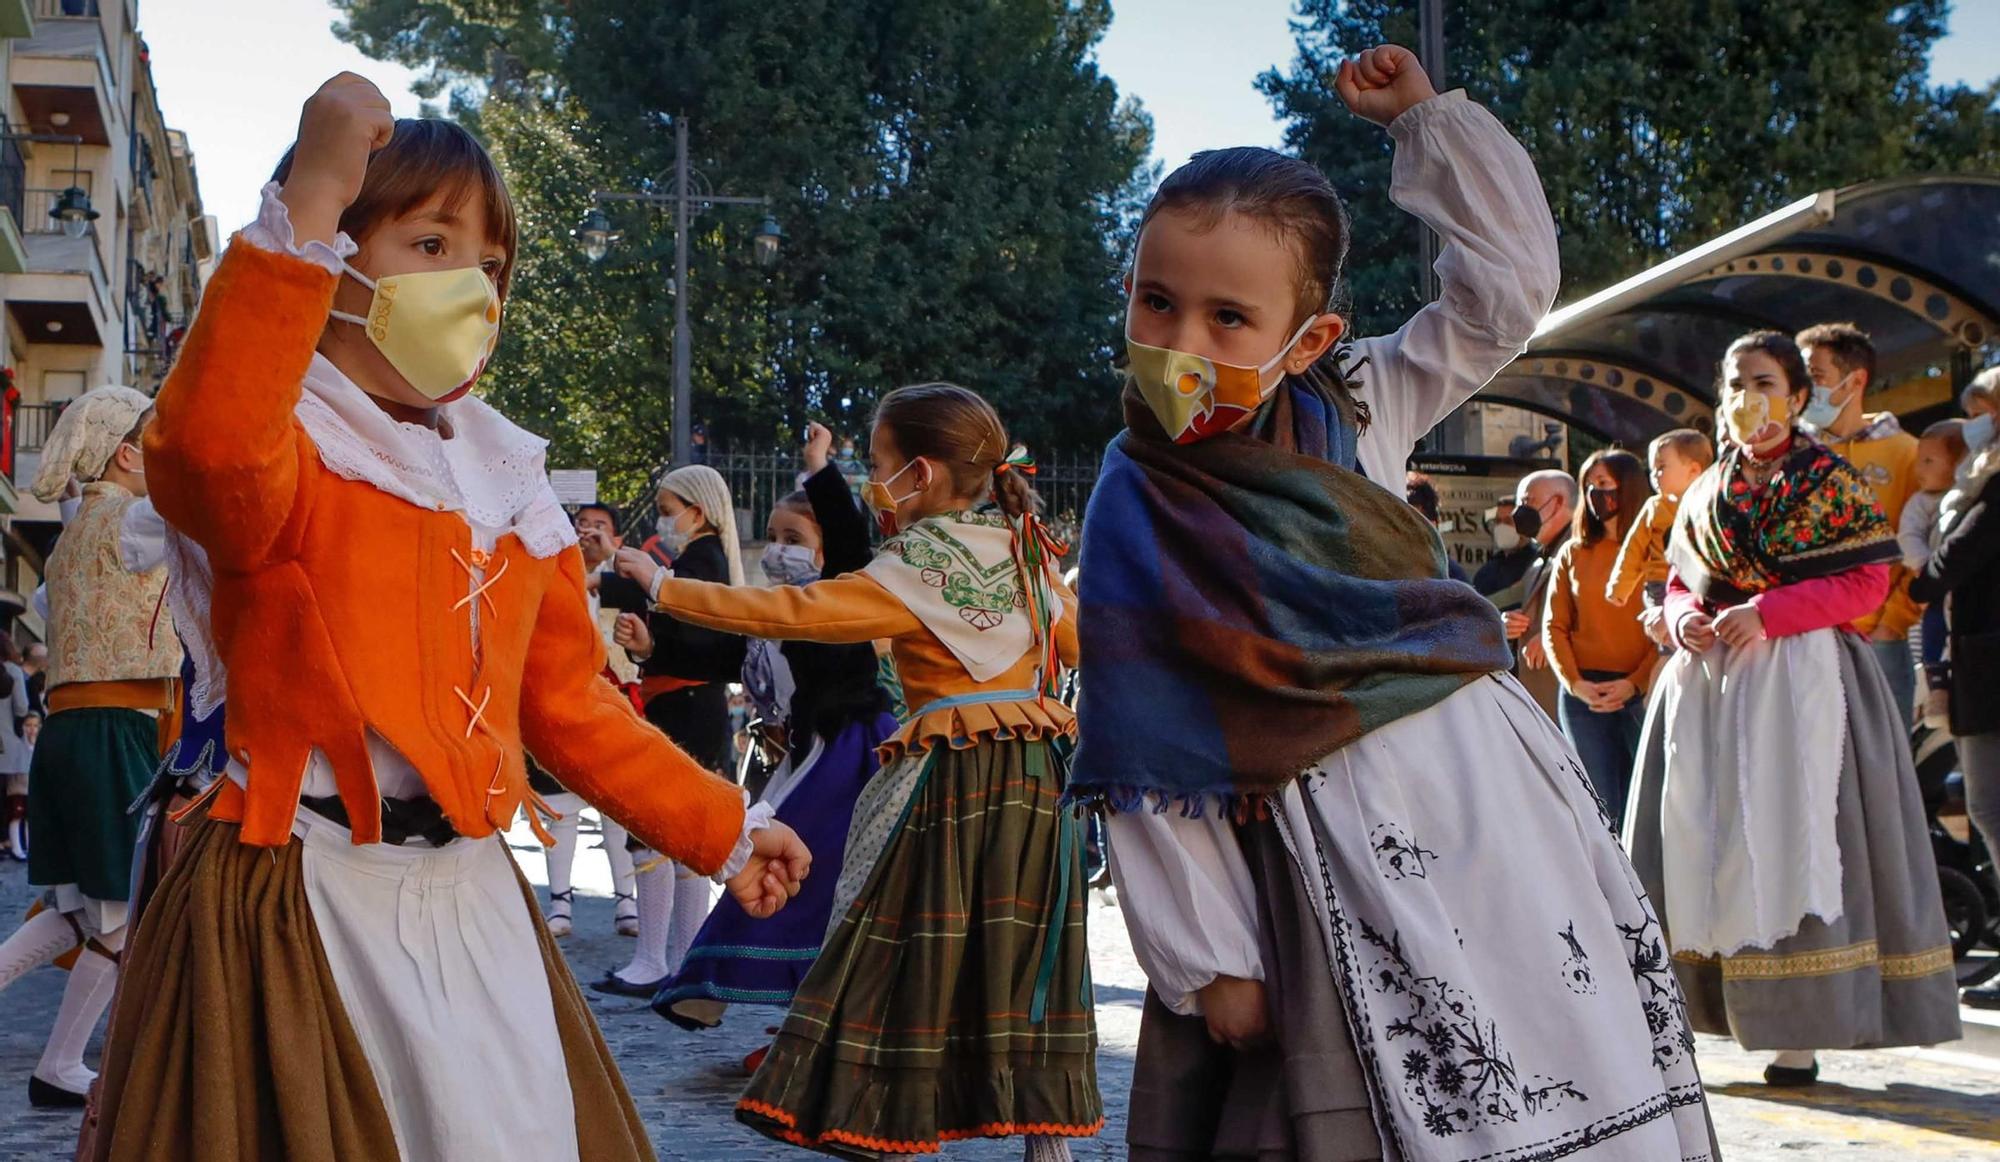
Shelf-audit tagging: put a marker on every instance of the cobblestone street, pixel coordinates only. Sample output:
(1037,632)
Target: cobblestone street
(1913,1105)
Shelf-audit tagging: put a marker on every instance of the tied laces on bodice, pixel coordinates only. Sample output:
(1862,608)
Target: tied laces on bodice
(482,583)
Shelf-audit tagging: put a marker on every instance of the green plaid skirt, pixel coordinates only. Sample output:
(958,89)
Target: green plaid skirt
(952,1000)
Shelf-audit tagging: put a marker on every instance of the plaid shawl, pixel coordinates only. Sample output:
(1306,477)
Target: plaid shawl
(1816,516)
(1250,604)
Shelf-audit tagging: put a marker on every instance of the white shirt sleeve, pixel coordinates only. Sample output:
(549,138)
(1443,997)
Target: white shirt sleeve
(1188,900)
(142,538)
(41,602)
(67,508)
(273,231)
(1459,170)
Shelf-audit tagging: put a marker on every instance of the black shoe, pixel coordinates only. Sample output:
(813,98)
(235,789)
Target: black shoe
(618,986)
(1790,1078)
(1986,998)
(44,1096)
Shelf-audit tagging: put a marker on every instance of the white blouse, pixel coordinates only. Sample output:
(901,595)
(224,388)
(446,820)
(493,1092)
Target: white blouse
(1183,884)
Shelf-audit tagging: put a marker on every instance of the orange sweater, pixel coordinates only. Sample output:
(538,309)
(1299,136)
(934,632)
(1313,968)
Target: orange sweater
(1887,456)
(340,609)
(1583,629)
(856,608)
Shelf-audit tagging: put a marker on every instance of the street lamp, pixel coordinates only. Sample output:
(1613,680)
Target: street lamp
(595,235)
(769,237)
(72,208)
(74,211)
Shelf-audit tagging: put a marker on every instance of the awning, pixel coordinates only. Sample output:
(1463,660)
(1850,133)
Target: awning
(1915,262)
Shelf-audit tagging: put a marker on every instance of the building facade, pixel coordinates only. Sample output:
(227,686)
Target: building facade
(103,242)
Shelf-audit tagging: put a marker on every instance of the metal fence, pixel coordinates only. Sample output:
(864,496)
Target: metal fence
(759,480)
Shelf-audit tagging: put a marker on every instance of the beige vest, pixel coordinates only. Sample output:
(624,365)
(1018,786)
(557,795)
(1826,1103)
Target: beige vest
(100,616)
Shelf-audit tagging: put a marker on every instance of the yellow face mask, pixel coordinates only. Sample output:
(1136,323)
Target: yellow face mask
(1754,417)
(437,328)
(1193,397)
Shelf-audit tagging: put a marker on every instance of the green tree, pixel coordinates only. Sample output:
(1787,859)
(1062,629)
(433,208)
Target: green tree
(1655,124)
(955,180)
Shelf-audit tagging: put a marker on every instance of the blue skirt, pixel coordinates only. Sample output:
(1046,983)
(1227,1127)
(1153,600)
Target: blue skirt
(736,959)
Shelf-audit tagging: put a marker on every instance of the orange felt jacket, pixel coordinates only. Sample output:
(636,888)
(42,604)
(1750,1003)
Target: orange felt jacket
(339,609)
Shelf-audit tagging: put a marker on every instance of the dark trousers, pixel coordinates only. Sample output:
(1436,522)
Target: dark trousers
(1608,744)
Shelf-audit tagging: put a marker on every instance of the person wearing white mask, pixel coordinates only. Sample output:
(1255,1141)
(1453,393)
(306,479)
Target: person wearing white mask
(822,712)
(684,676)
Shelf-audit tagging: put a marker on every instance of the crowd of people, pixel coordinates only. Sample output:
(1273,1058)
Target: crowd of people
(1368,823)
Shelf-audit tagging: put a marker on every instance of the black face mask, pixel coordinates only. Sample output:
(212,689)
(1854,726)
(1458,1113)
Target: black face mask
(1528,522)
(1603,503)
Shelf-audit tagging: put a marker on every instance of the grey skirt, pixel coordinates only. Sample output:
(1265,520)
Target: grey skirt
(1882,974)
(1303,1096)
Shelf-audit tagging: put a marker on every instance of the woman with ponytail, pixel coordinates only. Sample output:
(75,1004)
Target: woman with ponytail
(951,998)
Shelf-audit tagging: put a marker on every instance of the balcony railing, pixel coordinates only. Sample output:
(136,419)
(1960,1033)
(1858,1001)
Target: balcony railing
(36,217)
(32,422)
(13,179)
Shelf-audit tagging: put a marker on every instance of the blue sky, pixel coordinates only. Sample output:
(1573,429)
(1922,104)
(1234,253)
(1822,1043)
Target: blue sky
(1192,69)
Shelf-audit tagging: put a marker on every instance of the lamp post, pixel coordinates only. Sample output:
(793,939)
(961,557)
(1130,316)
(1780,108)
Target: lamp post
(1430,53)
(596,236)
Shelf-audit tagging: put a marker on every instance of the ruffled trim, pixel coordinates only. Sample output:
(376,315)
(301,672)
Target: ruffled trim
(963,727)
(756,818)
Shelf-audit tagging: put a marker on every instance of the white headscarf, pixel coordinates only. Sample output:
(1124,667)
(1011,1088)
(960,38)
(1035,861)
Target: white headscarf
(86,436)
(701,485)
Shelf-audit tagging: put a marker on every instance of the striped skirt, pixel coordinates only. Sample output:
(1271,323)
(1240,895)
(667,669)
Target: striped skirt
(952,999)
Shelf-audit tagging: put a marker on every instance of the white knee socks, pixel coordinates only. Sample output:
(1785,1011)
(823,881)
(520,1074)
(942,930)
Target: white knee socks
(1045,1148)
(621,859)
(45,936)
(562,853)
(694,895)
(83,1002)
(656,906)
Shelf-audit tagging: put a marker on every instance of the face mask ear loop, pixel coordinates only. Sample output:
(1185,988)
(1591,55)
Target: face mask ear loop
(1290,344)
(365,281)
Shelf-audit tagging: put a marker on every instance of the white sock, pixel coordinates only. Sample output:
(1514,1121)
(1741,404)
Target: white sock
(656,905)
(1045,1148)
(621,859)
(84,1000)
(45,936)
(562,853)
(1796,1058)
(694,895)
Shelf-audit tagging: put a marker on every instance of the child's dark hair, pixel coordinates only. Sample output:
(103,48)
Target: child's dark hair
(797,502)
(1633,489)
(958,430)
(1290,196)
(1851,348)
(1780,347)
(1697,448)
(427,156)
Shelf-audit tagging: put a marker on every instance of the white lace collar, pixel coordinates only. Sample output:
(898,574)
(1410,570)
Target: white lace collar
(477,463)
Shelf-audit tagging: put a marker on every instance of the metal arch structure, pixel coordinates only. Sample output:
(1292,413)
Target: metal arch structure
(1911,260)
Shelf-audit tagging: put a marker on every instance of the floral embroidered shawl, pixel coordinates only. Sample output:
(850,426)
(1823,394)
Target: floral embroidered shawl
(1815,517)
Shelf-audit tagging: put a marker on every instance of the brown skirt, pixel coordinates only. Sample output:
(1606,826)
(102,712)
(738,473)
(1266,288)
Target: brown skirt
(1300,1098)
(230,1042)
